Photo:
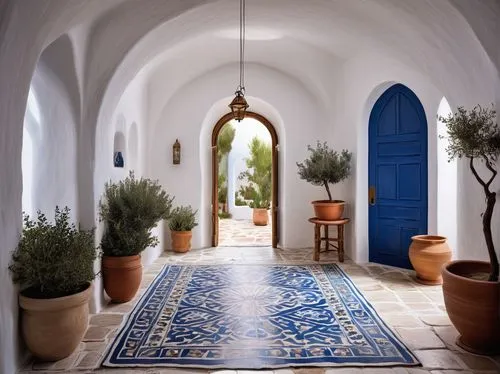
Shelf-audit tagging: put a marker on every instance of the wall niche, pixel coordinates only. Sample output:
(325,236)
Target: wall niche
(119,150)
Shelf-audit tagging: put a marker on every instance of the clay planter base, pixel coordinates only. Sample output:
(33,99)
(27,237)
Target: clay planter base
(328,210)
(473,306)
(260,217)
(428,254)
(429,282)
(53,328)
(122,277)
(181,241)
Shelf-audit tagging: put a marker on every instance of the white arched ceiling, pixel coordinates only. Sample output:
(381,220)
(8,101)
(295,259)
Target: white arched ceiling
(443,39)
(421,34)
(317,71)
(482,16)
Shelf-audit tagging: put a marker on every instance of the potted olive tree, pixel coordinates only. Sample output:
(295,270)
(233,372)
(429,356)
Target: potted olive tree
(53,264)
(258,178)
(323,167)
(471,288)
(130,209)
(181,222)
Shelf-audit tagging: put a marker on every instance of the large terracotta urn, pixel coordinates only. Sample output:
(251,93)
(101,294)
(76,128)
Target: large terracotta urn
(473,305)
(122,276)
(181,241)
(428,254)
(328,210)
(53,328)
(260,217)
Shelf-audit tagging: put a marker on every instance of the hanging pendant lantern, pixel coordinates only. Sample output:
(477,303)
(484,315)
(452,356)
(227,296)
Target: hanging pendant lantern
(239,106)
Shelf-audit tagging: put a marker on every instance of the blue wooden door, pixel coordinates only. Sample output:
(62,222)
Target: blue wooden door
(397,175)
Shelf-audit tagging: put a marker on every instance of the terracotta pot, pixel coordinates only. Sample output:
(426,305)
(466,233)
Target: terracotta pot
(122,277)
(260,217)
(53,328)
(328,210)
(181,241)
(473,306)
(428,254)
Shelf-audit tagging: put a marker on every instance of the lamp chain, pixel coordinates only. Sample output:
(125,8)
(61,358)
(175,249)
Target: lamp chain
(242,46)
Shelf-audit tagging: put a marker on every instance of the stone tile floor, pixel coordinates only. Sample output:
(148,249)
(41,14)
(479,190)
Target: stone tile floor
(414,311)
(233,232)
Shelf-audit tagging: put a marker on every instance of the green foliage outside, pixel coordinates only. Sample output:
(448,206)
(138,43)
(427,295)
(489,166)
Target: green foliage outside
(224,215)
(222,192)
(225,140)
(246,192)
(53,259)
(474,134)
(130,209)
(325,166)
(182,218)
(238,201)
(224,146)
(258,177)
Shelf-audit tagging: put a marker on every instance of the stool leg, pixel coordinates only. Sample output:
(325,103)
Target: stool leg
(341,242)
(327,242)
(317,234)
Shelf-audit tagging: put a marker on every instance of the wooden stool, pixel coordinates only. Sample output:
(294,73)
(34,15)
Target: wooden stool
(318,239)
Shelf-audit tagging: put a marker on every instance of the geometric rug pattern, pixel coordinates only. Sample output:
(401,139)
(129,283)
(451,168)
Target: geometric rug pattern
(253,317)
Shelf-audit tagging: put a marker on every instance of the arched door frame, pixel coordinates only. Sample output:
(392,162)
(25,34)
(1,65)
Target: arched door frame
(413,211)
(215,171)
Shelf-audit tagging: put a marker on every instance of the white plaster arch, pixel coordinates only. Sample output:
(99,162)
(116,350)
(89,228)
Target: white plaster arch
(52,122)
(360,96)
(31,139)
(214,114)
(180,119)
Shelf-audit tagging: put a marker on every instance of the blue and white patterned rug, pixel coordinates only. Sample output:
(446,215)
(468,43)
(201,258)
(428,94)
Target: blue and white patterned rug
(252,317)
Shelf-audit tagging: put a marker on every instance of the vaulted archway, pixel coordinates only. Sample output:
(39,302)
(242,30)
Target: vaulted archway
(275,180)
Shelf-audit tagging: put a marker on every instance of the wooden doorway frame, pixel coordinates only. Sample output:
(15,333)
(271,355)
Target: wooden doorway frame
(275,179)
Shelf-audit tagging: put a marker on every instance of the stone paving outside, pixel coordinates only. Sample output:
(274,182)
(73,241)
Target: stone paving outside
(415,312)
(242,232)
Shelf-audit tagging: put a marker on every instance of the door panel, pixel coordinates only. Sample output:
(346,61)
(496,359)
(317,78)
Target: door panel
(398,173)
(275,197)
(215,200)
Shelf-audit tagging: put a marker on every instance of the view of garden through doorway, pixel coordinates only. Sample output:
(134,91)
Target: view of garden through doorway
(244,152)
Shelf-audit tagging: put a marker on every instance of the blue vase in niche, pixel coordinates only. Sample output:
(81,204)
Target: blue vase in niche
(118,160)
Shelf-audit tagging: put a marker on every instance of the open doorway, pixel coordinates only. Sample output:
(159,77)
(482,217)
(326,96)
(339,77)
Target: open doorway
(244,182)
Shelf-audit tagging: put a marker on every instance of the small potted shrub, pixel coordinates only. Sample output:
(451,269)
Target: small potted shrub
(181,222)
(471,288)
(260,207)
(54,266)
(259,181)
(323,167)
(130,209)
